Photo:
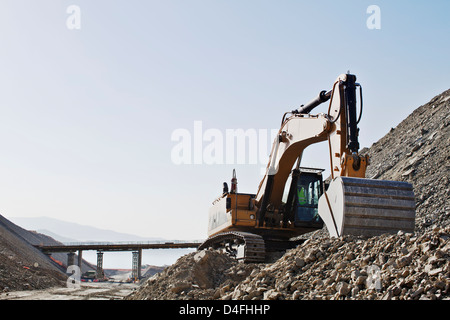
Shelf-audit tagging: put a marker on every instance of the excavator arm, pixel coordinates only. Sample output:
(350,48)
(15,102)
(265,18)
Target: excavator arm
(364,212)
(301,129)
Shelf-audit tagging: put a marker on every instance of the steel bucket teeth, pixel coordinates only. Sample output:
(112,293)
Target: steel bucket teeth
(367,207)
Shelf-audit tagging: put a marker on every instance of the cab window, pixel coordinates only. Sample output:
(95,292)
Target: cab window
(309,189)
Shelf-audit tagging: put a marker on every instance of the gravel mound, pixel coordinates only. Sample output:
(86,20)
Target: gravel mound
(398,267)
(199,275)
(402,266)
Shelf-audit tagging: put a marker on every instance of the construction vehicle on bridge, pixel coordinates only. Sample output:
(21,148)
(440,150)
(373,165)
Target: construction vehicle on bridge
(292,200)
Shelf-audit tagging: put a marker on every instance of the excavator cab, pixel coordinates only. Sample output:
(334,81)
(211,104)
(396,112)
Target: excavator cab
(309,190)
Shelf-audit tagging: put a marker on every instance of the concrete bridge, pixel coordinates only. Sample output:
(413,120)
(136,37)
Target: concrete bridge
(100,247)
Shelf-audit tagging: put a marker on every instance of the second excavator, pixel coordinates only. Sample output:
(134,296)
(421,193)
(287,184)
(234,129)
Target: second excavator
(292,200)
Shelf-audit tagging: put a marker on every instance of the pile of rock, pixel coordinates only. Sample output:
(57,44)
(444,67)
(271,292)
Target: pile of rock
(199,275)
(402,266)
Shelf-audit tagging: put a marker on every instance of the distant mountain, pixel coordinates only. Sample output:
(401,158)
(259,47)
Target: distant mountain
(64,231)
(56,236)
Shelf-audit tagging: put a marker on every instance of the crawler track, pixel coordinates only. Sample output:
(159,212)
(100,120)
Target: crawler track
(246,247)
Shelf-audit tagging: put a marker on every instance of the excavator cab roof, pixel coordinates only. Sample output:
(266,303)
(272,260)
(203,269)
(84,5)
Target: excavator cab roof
(311,170)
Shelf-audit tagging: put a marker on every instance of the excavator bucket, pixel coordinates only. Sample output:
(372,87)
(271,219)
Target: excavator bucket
(367,207)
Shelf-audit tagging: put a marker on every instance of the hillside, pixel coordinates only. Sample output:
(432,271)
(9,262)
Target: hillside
(22,266)
(400,266)
(418,151)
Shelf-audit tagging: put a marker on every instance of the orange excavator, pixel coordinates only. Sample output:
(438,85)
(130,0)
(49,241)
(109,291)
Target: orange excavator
(292,200)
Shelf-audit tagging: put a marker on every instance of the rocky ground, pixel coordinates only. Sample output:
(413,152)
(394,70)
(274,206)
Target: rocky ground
(17,275)
(195,276)
(398,267)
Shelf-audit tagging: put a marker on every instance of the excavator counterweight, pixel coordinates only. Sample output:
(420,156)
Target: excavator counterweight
(292,200)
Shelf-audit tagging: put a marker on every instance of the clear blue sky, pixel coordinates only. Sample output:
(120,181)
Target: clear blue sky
(86,116)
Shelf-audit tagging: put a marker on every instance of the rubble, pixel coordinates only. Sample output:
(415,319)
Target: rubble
(404,265)
(395,267)
(198,275)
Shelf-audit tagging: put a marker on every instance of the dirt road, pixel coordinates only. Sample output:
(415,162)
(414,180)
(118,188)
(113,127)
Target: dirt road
(87,291)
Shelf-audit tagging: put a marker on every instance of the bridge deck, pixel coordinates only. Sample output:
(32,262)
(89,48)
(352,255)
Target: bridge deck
(116,247)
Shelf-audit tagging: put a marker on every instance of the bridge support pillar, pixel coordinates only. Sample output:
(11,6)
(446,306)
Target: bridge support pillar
(100,274)
(70,258)
(136,265)
(80,258)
